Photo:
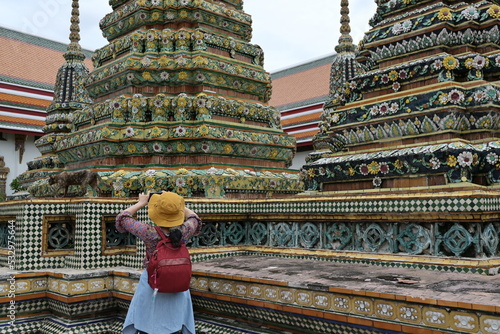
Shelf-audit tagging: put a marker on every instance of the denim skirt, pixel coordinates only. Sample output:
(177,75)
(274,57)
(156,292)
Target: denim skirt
(164,313)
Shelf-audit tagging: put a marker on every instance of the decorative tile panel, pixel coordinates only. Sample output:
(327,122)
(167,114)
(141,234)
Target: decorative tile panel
(435,317)
(58,235)
(114,242)
(409,313)
(466,322)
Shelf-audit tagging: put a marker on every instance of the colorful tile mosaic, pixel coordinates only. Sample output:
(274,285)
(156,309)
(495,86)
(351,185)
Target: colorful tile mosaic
(187,103)
(427,226)
(416,104)
(246,287)
(239,228)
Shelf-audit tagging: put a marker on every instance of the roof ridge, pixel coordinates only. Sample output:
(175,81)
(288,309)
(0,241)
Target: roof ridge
(40,41)
(302,103)
(303,66)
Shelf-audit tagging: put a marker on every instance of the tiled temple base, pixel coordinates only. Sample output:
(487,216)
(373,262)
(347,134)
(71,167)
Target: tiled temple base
(72,272)
(251,292)
(311,296)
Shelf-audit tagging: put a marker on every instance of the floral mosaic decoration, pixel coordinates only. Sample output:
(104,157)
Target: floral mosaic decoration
(212,183)
(458,161)
(136,13)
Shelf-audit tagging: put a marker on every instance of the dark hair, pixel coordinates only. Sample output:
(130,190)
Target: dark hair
(175,236)
(151,194)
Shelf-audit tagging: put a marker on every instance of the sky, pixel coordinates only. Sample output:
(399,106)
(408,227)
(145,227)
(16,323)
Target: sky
(290,32)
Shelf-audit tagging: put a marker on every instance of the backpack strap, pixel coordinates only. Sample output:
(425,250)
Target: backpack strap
(162,235)
(164,239)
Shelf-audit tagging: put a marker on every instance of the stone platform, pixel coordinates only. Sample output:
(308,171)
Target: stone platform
(316,296)
(256,291)
(266,266)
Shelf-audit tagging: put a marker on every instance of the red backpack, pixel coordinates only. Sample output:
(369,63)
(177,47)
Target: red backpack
(169,269)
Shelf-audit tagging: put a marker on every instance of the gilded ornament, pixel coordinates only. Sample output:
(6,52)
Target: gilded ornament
(106,133)
(494,11)
(181,191)
(450,63)
(451,161)
(445,14)
(131,148)
(182,171)
(156,16)
(149,182)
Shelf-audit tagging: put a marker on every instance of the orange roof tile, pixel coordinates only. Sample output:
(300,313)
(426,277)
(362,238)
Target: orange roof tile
(301,86)
(31,62)
(18,120)
(24,100)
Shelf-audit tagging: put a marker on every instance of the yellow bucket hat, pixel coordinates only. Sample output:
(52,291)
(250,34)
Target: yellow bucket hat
(166,209)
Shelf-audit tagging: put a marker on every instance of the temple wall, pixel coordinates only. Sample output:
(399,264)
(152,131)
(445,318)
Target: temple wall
(79,233)
(12,157)
(63,264)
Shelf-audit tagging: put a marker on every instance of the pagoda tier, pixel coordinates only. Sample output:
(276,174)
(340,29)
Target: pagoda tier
(425,110)
(175,47)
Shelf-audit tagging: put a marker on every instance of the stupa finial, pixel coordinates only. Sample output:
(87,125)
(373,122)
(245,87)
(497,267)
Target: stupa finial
(69,88)
(74,49)
(345,40)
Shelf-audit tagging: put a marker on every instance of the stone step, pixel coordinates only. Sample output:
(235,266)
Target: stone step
(315,296)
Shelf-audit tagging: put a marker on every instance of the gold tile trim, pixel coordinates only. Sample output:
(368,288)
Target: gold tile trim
(385,309)
(435,317)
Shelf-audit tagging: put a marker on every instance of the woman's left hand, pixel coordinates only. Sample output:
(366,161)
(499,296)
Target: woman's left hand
(143,198)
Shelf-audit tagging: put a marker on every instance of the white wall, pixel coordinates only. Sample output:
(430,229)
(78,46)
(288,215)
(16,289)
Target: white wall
(299,160)
(11,157)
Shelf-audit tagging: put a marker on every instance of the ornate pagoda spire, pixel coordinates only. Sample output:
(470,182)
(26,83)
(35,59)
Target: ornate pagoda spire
(344,65)
(69,87)
(180,98)
(344,68)
(70,96)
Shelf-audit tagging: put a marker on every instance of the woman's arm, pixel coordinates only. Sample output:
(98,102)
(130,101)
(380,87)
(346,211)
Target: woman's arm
(125,222)
(188,212)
